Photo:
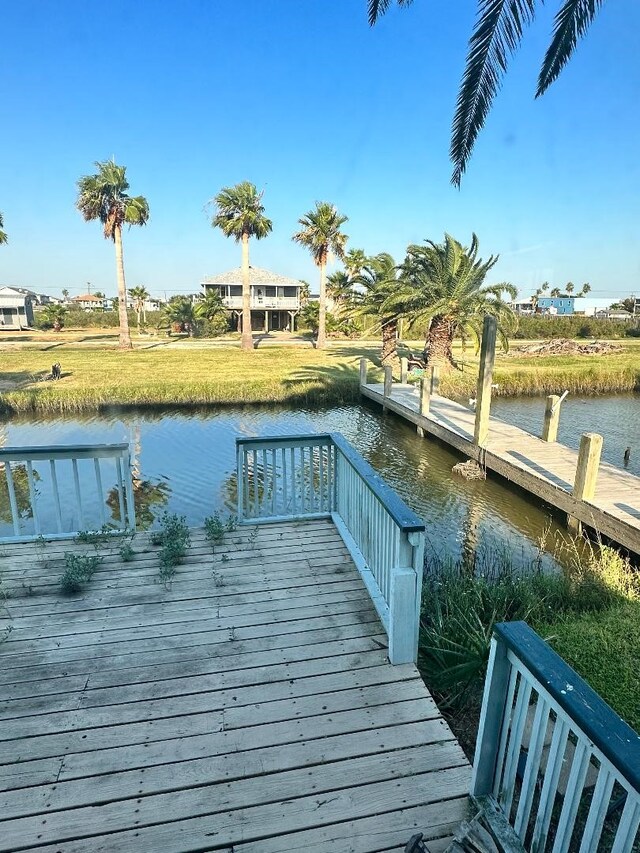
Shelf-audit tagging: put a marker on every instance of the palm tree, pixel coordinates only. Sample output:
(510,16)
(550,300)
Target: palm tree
(497,34)
(139,295)
(340,290)
(586,288)
(181,312)
(570,287)
(321,234)
(3,234)
(378,281)
(555,292)
(211,308)
(55,315)
(443,283)
(65,294)
(354,261)
(240,214)
(104,196)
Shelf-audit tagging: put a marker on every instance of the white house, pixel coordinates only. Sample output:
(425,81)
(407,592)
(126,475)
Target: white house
(16,308)
(89,302)
(275,299)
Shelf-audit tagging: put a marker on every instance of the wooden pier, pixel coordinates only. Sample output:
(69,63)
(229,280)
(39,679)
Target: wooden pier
(545,469)
(250,707)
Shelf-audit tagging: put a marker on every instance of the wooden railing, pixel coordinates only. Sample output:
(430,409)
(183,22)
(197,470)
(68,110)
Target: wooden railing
(50,494)
(322,476)
(561,765)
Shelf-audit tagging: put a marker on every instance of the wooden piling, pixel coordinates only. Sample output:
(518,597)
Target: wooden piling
(551,418)
(485,378)
(404,370)
(363,372)
(388,381)
(584,487)
(425,391)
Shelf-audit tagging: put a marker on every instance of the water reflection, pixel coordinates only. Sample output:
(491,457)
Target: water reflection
(184,462)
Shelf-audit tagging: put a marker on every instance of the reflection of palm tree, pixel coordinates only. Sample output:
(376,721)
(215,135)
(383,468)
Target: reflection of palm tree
(21,490)
(146,493)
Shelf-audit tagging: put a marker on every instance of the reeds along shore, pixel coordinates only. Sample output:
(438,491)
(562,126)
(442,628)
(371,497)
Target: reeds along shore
(95,378)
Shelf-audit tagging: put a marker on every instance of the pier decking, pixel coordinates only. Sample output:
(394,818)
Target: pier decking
(544,469)
(250,707)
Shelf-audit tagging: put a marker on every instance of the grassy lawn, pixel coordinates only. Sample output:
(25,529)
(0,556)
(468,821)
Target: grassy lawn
(180,371)
(97,377)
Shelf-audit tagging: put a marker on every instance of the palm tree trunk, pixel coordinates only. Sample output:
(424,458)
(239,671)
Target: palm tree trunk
(322,312)
(247,337)
(389,340)
(125,337)
(439,341)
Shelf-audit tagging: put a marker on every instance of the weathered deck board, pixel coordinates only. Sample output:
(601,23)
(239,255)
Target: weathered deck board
(250,706)
(544,469)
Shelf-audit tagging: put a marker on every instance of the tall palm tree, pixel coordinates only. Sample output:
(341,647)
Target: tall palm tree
(139,295)
(104,196)
(497,34)
(443,283)
(555,292)
(3,234)
(321,234)
(378,281)
(570,287)
(340,290)
(240,214)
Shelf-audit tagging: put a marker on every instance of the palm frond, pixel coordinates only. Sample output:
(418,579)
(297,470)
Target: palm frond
(496,35)
(377,8)
(571,23)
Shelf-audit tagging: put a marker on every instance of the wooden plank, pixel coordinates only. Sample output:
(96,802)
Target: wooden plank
(277,818)
(57,795)
(207,700)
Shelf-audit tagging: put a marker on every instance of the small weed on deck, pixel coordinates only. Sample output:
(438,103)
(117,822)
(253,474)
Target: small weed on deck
(174,537)
(79,569)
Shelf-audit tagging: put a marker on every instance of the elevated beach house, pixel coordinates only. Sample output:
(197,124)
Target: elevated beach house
(16,308)
(275,299)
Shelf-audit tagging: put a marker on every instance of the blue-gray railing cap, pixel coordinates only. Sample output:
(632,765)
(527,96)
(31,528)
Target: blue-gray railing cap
(600,723)
(404,517)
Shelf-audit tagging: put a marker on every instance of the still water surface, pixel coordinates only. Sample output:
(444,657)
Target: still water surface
(184,462)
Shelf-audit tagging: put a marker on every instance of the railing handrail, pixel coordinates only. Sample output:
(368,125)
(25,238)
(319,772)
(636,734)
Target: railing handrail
(403,516)
(618,742)
(79,451)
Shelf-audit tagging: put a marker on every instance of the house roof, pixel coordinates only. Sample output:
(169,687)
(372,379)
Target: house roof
(257,275)
(87,297)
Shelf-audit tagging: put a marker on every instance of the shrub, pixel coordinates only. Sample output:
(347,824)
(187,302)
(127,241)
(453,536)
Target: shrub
(174,537)
(79,570)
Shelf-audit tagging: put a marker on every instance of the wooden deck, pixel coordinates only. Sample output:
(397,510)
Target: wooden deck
(248,708)
(545,469)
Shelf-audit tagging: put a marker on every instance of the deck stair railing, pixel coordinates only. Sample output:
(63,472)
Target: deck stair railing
(60,491)
(322,476)
(563,768)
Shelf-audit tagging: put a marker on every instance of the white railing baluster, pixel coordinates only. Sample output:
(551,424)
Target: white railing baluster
(550,784)
(597,811)
(56,493)
(532,767)
(128,488)
(32,498)
(575,786)
(628,826)
(506,727)
(293,476)
(13,503)
(515,744)
(46,508)
(96,465)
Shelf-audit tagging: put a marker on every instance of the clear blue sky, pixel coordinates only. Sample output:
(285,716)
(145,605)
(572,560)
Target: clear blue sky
(304,99)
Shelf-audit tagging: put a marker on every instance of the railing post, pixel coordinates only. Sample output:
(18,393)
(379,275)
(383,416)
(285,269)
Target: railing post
(240,480)
(404,370)
(363,372)
(426,384)
(491,720)
(388,382)
(402,623)
(128,486)
(551,418)
(584,487)
(485,378)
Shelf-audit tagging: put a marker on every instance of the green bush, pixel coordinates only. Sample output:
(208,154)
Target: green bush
(572,326)
(79,570)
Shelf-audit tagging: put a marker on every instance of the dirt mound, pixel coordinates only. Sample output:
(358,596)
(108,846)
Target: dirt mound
(563,346)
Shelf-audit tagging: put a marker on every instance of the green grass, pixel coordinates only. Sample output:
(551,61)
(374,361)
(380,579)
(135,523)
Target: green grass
(604,648)
(95,378)
(192,375)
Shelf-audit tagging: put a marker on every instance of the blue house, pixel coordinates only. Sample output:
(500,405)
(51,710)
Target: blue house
(555,304)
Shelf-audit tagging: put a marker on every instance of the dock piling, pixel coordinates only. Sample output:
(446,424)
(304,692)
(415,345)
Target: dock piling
(551,418)
(485,378)
(584,487)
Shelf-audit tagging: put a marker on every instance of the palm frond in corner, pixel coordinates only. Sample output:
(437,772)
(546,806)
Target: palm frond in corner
(377,8)
(497,34)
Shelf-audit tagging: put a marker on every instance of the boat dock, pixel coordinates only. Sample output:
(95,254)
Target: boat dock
(545,469)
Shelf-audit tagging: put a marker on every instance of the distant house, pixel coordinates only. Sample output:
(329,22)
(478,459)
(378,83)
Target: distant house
(16,308)
(526,306)
(36,298)
(275,299)
(555,305)
(619,314)
(89,302)
(150,304)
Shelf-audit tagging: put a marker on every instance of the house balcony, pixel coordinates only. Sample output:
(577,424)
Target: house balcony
(264,303)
